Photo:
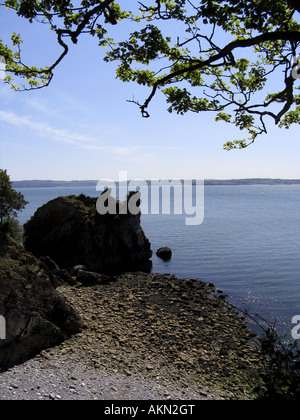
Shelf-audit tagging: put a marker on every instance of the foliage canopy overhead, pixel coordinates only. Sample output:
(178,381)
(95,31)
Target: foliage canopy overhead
(238,59)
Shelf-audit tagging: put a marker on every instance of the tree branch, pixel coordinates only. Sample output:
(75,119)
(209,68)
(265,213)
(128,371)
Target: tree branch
(225,52)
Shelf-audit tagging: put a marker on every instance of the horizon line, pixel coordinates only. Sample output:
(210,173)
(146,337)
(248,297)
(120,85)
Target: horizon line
(161,179)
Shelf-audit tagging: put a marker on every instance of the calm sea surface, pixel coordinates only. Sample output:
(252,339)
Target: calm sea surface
(248,244)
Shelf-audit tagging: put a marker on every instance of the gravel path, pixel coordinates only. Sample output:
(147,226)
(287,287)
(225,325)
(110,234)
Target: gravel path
(146,337)
(40,379)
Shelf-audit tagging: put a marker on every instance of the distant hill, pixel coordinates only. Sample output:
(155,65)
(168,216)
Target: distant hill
(92,183)
(35,183)
(252,181)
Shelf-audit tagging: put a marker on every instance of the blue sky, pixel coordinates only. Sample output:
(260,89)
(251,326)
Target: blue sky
(82,127)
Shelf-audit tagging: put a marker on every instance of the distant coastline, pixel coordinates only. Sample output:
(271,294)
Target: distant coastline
(92,183)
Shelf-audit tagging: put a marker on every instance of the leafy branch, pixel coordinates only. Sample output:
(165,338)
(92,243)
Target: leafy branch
(225,57)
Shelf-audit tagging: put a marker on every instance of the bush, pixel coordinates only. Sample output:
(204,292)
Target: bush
(12,228)
(15,230)
(10,200)
(281,378)
(281,374)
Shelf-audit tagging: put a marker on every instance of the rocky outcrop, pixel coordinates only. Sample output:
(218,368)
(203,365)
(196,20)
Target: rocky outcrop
(36,317)
(71,232)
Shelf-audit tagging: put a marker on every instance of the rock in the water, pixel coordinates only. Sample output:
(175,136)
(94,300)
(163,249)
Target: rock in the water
(71,232)
(36,316)
(165,253)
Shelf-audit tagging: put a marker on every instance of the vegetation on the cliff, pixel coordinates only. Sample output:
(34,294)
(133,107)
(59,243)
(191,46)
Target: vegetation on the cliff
(281,375)
(11,202)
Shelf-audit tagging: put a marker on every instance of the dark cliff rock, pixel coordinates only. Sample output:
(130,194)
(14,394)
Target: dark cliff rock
(36,316)
(71,232)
